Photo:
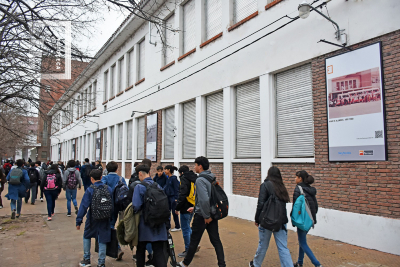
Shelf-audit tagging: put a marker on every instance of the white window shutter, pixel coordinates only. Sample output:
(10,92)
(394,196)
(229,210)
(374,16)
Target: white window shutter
(169,40)
(112,143)
(169,133)
(120,137)
(129,128)
(294,112)
(189,26)
(140,138)
(243,8)
(213,15)
(214,128)
(142,60)
(189,130)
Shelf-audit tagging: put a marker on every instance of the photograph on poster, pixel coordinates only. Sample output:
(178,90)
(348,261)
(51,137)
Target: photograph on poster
(355,105)
(151,139)
(355,94)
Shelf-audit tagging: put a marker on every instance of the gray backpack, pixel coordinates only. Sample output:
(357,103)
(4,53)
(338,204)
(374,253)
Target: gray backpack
(16,176)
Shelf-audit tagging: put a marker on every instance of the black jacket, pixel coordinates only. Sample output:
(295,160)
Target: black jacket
(310,193)
(162,181)
(36,173)
(266,190)
(59,183)
(187,179)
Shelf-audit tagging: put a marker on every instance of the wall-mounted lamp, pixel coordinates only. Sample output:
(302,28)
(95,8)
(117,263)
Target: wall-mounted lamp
(147,112)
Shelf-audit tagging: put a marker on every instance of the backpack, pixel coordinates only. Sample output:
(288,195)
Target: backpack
(101,206)
(33,176)
(7,169)
(192,194)
(88,169)
(71,182)
(16,176)
(121,198)
(301,214)
(51,181)
(156,207)
(219,204)
(273,214)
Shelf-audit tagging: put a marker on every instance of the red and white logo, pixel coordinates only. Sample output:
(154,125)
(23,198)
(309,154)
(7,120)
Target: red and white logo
(361,152)
(330,69)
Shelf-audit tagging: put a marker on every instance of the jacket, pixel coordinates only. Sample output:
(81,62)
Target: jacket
(146,233)
(266,189)
(38,177)
(59,182)
(85,178)
(77,176)
(128,228)
(112,180)
(41,172)
(172,187)
(187,179)
(310,194)
(16,191)
(203,194)
(93,228)
(162,181)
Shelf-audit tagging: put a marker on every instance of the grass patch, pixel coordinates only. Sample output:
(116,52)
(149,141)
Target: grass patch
(6,221)
(23,232)
(13,227)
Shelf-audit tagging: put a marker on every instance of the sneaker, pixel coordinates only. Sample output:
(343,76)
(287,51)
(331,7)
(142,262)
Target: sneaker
(69,214)
(85,263)
(297,265)
(76,209)
(49,218)
(101,265)
(176,229)
(134,257)
(52,215)
(120,254)
(13,215)
(180,264)
(251,264)
(18,215)
(182,255)
(41,199)
(32,203)
(198,248)
(1,207)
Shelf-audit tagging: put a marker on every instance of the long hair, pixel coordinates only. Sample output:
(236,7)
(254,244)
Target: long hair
(307,179)
(54,167)
(274,175)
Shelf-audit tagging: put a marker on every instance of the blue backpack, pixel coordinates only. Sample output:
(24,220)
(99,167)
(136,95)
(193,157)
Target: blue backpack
(301,213)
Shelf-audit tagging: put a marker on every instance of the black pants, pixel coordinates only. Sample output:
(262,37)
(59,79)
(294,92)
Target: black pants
(158,254)
(172,206)
(198,227)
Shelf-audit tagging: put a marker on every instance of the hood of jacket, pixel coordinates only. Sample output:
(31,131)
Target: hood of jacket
(191,176)
(309,189)
(71,169)
(208,174)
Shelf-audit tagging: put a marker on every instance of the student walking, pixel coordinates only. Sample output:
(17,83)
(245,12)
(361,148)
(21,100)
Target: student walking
(304,180)
(51,186)
(71,182)
(272,187)
(85,174)
(202,219)
(160,177)
(40,169)
(2,183)
(98,199)
(172,190)
(34,177)
(186,200)
(18,182)
(156,235)
(99,166)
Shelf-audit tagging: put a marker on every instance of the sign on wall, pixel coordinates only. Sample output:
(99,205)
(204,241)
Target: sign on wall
(151,140)
(98,138)
(355,99)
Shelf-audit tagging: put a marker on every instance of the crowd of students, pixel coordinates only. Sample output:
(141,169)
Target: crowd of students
(187,201)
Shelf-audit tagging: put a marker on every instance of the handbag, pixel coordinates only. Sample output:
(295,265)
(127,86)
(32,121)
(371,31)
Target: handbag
(112,246)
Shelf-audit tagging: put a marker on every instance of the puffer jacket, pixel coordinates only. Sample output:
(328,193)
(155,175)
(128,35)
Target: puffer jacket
(187,179)
(310,194)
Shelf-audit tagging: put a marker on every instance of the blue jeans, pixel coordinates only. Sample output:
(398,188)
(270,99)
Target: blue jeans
(70,194)
(102,251)
(186,218)
(51,196)
(304,248)
(281,243)
(16,205)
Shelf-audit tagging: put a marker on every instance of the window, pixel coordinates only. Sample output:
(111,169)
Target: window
(129,128)
(44,155)
(90,101)
(78,101)
(140,138)
(113,80)
(294,112)
(248,131)
(189,26)
(169,40)
(105,86)
(104,144)
(94,93)
(243,8)
(84,146)
(213,16)
(169,133)
(111,143)
(81,104)
(121,77)
(120,139)
(141,60)
(131,68)
(214,126)
(189,130)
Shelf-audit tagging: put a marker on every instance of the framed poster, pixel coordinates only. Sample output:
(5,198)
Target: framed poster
(355,104)
(73,149)
(151,140)
(98,138)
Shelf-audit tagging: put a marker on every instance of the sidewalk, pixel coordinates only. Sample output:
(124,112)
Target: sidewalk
(32,241)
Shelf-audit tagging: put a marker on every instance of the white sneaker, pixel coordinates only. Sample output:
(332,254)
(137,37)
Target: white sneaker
(176,229)
(181,264)
(41,199)
(1,207)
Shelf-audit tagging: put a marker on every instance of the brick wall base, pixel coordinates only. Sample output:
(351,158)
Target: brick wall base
(246,179)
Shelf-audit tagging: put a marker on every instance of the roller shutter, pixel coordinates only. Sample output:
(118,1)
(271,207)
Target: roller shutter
(213,14)
(189,130)
(104,144)
(169,40)
(248,137)
(111,143)
(215,126)
(243,8)
(169,133)
(120,138)
(294,112)
(129,127)
(140,138)
(113,81)
(131,67)
(189,26)
(141,59)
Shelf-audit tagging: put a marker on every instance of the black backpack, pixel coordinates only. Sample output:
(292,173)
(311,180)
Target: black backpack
(121,196)
(88,169)
(7,170)
(156,208)
(219,204)
(33,177)
(101,207)
(273,215)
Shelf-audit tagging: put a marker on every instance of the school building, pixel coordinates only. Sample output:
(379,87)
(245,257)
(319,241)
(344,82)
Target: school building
(243,82)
